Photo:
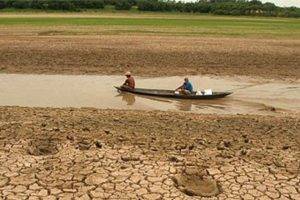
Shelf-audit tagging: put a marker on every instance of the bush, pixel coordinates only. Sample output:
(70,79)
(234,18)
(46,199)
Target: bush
(203,7)
(114,2)
(88,4)
(20,4)
(60,5)
(123,5)
(133,2)
(146,5)
(37,4)
(289,12)
(2,4)
(56,4)
(157,5)
(45,4)
(110,2)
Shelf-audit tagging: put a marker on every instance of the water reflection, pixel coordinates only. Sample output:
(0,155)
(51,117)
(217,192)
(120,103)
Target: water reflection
(179,104)
(189,105)
(128,98)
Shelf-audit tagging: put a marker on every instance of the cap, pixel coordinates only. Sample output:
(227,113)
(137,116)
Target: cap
(127,73)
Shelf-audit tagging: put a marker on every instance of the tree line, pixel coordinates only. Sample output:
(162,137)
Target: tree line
(218,7)
(70,5)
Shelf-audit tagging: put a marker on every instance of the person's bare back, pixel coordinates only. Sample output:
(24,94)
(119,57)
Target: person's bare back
(129,82)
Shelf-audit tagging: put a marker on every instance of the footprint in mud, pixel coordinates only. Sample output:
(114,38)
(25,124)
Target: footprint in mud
(42,147)
(196,185)
(84,145)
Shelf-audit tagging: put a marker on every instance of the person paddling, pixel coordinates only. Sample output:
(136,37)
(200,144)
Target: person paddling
(129,82)
(186,87)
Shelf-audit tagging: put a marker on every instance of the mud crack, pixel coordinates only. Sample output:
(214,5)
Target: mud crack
(42,147)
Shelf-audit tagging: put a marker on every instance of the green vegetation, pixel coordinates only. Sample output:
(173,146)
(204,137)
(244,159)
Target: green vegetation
(163,24)
(123,5)
(217,7)
(73,5)
(220,7)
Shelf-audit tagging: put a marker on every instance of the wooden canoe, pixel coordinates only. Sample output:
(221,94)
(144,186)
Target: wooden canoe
(171,93)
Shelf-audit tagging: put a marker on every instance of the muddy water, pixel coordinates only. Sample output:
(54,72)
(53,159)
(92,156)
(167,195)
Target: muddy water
(250,96)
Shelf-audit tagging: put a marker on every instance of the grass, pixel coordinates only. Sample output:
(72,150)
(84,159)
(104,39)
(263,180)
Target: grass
(162,23)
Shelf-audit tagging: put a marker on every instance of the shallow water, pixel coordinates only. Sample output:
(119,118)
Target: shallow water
(250,96)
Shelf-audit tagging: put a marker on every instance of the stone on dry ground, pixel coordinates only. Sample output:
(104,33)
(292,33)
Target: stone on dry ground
(144,159)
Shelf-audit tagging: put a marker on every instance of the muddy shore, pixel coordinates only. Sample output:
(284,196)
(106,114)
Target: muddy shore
(150,55)
(92,153)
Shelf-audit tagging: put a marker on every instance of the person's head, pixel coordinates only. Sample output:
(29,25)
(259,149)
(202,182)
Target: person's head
(128,74)
(186,79)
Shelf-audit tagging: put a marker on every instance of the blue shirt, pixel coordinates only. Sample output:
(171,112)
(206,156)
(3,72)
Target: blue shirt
(188,86)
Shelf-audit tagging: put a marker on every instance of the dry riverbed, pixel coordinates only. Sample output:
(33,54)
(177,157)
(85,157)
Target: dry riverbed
(148,55)
(91,153)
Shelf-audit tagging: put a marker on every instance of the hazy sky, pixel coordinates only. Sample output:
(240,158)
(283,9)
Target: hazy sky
(284,2)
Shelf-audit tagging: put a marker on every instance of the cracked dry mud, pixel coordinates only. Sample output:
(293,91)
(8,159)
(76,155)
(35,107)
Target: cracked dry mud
(88,153)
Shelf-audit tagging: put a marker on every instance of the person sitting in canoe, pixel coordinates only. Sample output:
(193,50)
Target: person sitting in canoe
(129,82)
(186,88)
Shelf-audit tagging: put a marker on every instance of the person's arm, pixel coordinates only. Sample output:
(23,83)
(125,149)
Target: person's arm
(180,87)
(126,82)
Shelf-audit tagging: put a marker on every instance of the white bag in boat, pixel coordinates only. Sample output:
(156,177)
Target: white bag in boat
(176,92)
(198,93)
(208,92)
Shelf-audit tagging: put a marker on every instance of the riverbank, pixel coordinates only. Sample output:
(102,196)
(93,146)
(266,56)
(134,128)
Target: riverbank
(141,154)
(149,55)
(149,44)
